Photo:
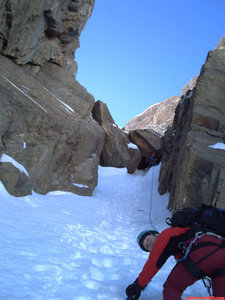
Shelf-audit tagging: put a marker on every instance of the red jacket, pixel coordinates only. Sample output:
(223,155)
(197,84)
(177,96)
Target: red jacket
(167,244)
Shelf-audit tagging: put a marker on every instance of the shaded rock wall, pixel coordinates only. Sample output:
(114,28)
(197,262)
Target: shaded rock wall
(55,140)
(192,171)
(45,114)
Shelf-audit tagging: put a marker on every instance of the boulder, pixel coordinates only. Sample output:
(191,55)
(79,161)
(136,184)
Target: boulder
(147,140)
(101,114)
(192,170)
(116,151)
(17,183)
(45,126)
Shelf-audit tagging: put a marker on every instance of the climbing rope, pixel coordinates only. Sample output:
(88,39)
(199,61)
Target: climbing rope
(206,280)
(151,197)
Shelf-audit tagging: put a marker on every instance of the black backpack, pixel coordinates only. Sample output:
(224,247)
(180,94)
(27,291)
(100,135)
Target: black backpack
(205,218)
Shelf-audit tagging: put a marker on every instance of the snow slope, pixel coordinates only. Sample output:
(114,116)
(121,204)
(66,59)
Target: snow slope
(67,247)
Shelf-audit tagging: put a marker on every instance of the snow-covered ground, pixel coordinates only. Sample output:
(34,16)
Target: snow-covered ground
(66,247)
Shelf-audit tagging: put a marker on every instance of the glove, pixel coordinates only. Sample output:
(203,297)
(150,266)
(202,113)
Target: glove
(133,291)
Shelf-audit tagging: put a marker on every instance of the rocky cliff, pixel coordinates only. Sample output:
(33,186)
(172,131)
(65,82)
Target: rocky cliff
(147,129)
(157,117)
(45,114)
(192,170)
(36,32)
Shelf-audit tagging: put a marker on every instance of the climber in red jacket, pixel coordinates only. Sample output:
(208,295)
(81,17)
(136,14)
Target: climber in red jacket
(197,257)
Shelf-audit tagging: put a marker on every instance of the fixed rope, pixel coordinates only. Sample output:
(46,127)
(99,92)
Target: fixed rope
(151,197)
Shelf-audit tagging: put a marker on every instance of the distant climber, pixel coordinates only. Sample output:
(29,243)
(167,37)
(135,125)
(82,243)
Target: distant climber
(153,160)
(149,161)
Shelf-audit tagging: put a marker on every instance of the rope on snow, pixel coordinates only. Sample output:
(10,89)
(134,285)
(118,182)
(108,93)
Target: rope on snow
(151,197)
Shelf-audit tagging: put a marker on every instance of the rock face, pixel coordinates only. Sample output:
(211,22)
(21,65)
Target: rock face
(36,32)
(116,151)
(192,171)
(147,129)
(157,117)
(189,86)
(221,44)
(45,114)
(52,137)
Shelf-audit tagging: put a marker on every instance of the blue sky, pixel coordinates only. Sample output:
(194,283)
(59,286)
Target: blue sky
(134,54)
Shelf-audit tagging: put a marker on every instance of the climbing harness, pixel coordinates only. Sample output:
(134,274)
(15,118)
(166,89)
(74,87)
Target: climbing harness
(198,235)
(193,267)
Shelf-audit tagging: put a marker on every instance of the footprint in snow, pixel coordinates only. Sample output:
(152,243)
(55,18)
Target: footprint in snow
(92,285)
(105,262)
(97,274)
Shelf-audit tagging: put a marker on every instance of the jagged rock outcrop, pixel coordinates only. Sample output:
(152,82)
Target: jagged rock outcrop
(45,114)
(147,129)
(36,32)
(116,151)
(157,117)
(189,86)
(221,44)
(192,171)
